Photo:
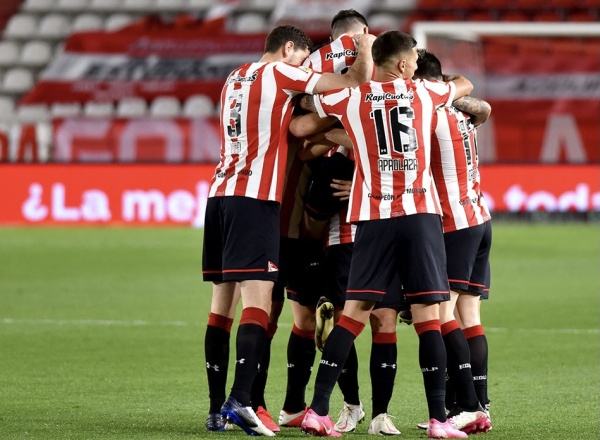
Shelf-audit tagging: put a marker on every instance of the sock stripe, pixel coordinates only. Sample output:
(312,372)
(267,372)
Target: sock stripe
(220,321)
(426,326)
(471,332)
(384,338)
(353,326)
(256,316)
(449,326)
(305,334)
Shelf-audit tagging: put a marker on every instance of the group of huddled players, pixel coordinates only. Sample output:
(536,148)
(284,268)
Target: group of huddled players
(349,179)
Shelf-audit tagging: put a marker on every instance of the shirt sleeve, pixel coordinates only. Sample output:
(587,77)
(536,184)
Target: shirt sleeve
(442,93)
(299,79)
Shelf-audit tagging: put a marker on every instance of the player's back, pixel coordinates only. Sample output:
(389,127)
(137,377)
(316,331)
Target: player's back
(255,112)
(335,57)
(455,167)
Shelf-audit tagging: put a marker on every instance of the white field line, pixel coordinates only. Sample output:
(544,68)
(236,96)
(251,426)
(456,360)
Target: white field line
(142,323)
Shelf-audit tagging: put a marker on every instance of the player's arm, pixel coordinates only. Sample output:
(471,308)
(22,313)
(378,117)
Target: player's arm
(309,124)
(320,143)
(462,85)
(478,108)
(360,72)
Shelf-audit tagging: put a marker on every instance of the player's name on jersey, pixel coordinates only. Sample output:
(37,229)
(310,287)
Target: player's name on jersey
(406,164)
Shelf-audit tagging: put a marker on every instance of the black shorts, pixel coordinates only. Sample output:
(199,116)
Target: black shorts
(319,202)
(302,270)
(468,259)
(338,258)
(241,239)
(410,246)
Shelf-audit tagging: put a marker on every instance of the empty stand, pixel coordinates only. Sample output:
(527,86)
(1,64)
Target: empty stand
(9,53)
(38,5)
(382,21)
(105,5)
(250,22)
(165,106)
(98,109)
(117,21)
(138,5)
(21,26)
(198,106)
(54,26)
(17,80)
(72,6)
(35,53)
(65,109)
(7,108)
(33,113)
(132,108)
(87,22)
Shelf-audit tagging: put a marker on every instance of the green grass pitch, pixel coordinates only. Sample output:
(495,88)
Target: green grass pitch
(101,334)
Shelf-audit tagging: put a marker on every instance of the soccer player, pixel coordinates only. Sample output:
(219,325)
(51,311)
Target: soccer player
(323,221)
(395,205)
(468,238)
(241,233)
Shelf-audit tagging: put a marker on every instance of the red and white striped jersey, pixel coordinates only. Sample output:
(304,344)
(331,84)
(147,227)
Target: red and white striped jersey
(255,114)
(455,167)
(390,124)
(335,57)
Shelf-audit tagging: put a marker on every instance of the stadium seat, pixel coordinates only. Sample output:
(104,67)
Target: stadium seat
(65,109)
(9,53)
(198,106)
(132,108)
(87,22)
(395,5)
(94,109)
(17,80)
(383,21)
(166,107)
(36,53)
(38,5)
(169,5)
(137,5)
(33,113)
(250,23)
(72,6)
(105,5)
(260,5)
(199,5)
(21,26)
(7,108)
(117,21)
(54,26)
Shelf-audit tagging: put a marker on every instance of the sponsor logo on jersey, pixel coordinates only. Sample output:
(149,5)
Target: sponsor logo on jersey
(379,97)
(337,55)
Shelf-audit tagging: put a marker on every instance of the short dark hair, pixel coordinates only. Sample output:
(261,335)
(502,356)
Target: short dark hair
(389,44)
(428,65)
(346,19)
(282,34)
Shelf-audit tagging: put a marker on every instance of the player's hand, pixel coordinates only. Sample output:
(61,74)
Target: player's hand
(343,187)
(364,39)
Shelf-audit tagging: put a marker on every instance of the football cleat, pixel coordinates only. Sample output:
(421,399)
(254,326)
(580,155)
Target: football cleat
(321,426)
(470,422)
(215,422)
(382,425)
(405,316)
(291,419)
(244,417)
(350,416)
(444,430)
(324,325)
(267,419)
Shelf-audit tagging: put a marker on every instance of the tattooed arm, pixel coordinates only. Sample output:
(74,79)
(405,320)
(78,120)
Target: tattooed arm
(478,108)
